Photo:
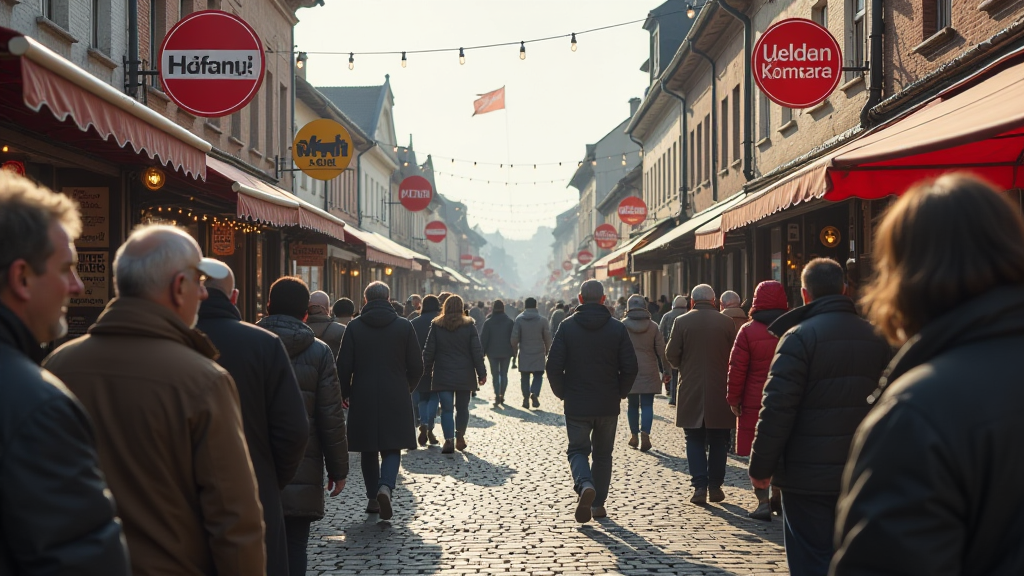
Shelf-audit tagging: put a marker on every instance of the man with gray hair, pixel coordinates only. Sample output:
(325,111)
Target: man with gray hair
(591,367)
(731,302)
(699,347)
(319,319)
(56,514)
(167,417)
(380,365)
(679,307)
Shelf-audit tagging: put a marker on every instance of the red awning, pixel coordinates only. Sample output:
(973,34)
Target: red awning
(805,185)
(975,126)
(380,249)
(70,93)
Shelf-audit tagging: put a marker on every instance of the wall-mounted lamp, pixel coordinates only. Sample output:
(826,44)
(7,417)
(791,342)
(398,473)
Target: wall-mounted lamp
(300,60)
(355,272)
(154,178)
(388,271)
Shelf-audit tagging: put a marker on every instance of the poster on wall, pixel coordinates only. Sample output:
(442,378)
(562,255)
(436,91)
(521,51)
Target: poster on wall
(94,270)
(223,240)
(94,205)
(308,254)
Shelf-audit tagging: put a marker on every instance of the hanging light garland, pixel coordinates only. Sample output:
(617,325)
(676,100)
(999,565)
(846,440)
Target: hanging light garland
(183,216)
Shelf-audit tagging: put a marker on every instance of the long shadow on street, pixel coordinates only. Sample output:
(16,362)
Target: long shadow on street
(461,466)
(634,554)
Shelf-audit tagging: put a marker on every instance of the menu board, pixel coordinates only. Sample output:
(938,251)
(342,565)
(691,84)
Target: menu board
(94,270)
(223,240)
(94,205)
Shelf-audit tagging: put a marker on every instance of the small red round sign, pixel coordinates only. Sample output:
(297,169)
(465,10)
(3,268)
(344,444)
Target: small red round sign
(478,263)
(489,272)
(415,193)
(585,257)
(632,210)
(436,231)
(797,63)
(605,236)
(211,63)
(466,259)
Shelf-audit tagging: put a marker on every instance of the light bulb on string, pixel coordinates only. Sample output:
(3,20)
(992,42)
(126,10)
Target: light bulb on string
(403,60)
(572,43)
(690,13)
(351,61)
(462,56)
(522,50)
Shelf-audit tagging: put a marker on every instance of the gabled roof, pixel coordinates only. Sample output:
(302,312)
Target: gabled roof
(363,104)
(325,107)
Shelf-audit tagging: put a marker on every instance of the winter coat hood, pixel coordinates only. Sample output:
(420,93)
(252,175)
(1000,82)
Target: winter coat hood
(452,322)
(638,321)
(530,314)
(769,295)
(592,316)
(823,305)
(766,317)
(293,332)
(378,313)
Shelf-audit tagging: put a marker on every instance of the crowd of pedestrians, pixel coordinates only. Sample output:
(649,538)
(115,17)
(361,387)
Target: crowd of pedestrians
(175,438)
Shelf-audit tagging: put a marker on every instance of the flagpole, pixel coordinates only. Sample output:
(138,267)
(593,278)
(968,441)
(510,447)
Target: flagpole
(508,156)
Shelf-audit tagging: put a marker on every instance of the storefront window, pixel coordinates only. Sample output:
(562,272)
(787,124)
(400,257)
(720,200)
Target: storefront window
(776,254)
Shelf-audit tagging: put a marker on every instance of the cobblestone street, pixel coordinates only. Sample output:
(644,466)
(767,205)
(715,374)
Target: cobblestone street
(505,506)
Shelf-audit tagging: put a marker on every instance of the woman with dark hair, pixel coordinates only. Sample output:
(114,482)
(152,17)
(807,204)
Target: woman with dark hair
(430,308)
(455,361)
(933,481)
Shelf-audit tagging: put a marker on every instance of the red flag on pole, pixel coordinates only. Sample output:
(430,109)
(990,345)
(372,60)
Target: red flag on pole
(489,102)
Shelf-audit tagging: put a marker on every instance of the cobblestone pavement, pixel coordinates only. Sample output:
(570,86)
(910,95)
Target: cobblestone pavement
(506,505)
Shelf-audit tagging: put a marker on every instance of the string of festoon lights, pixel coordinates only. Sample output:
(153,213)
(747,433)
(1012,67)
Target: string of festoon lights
(302,57)
(180,215)
(623,158)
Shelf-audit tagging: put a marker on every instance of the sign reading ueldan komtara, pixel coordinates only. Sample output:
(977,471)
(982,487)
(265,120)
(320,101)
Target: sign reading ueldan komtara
(211,63)
(797,63)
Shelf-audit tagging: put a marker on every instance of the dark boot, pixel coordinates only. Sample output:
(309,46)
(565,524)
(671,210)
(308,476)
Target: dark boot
(645,442)
(460,441)
(700,496)
(449,447)
(776,501)
(431,438)
(764,507)
(423,436)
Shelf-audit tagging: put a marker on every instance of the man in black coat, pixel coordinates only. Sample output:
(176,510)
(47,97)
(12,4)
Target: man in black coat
(273,413)
(591,367)
(430,307)
(496,341)
(827,363)
(56,513)
(379,365)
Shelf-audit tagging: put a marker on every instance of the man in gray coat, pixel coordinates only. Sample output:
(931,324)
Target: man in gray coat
(679,307)
(699,348)
(557,315)
(531,340)
(479,315)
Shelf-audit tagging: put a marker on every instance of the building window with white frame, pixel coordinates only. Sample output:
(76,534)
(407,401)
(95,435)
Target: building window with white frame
(857,37)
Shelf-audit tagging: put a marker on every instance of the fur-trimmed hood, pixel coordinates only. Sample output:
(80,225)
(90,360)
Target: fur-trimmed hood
(453,322)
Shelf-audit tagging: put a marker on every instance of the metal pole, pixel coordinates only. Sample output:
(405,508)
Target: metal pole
(133,47)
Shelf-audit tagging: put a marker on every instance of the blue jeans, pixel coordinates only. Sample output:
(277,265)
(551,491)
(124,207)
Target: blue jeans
(640,412)
(379,473)
(531,390)
(673,384)
(451,423)
(499,374)
(591,436)
(706,453)
(426,415)
(808,521)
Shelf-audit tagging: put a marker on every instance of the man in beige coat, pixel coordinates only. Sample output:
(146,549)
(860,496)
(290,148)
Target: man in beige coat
(168,423)
(699,348)
(731,303)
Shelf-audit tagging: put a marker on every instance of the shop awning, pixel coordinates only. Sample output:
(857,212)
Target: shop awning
(264,202)
(710,236)
(455,275)
(977,126)
(619,260)
(688,227)
(70,93)
(379,249)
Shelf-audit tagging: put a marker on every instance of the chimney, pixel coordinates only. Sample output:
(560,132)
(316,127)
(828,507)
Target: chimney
(634,105)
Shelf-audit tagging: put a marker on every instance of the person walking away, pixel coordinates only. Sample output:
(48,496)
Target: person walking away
(344,310)
(557,316)
(479,316)
(751,355)
(620,308)
(679,307)
(699,348)
(663,307)
(302,500)
(732,307)
(429,309)
(649,347)
(455,361)
(591,368)
(273,412)
(827,363)
(380,365)
(412,307)
(56,514)
(496,341)
(931,485)
(324,327)
(531,340)
(168,425)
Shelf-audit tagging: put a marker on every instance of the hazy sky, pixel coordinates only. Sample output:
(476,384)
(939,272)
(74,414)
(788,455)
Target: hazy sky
(556,100)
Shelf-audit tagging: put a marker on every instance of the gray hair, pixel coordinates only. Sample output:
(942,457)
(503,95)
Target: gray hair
(225,285)
(591,292)
(702,293)
(730,299)
(377,291)
(147,262)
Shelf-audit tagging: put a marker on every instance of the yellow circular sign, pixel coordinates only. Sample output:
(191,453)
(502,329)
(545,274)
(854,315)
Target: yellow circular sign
(830,236)
(322,149)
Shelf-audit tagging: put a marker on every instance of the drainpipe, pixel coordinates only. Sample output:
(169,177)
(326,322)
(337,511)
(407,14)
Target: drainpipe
(714,120)
(133,48)
(875,86)
(748,89)
(683,189)
(291,120)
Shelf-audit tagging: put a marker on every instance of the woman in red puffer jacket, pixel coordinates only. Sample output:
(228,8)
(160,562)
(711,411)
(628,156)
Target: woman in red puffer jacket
(751,356)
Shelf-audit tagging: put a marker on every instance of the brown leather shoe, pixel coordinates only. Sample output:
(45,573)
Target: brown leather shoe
(449,447)
(634,441)
(583,512)
(460,442)
(431,438)
(598,512)
(423,436)
(700,496)
(372,507)
(716,494)
(645,442)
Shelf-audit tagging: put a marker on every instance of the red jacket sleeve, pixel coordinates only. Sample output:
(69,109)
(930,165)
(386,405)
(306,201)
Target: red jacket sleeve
(739,364)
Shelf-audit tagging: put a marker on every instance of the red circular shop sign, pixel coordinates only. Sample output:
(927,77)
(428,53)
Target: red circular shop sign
(797,63)
(585,257)
(632,210)
(489,272)
(605,236)
(415,193)
(466,259)
(436,231)
(211,63)
(478,263)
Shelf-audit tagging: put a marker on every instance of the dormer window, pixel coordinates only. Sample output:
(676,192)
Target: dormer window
(655,55)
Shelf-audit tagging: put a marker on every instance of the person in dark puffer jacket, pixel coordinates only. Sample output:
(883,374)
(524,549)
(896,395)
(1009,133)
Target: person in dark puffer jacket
(430,307)
(455,361)
(496,341)
(303,498)
(320,320)
(827,363)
